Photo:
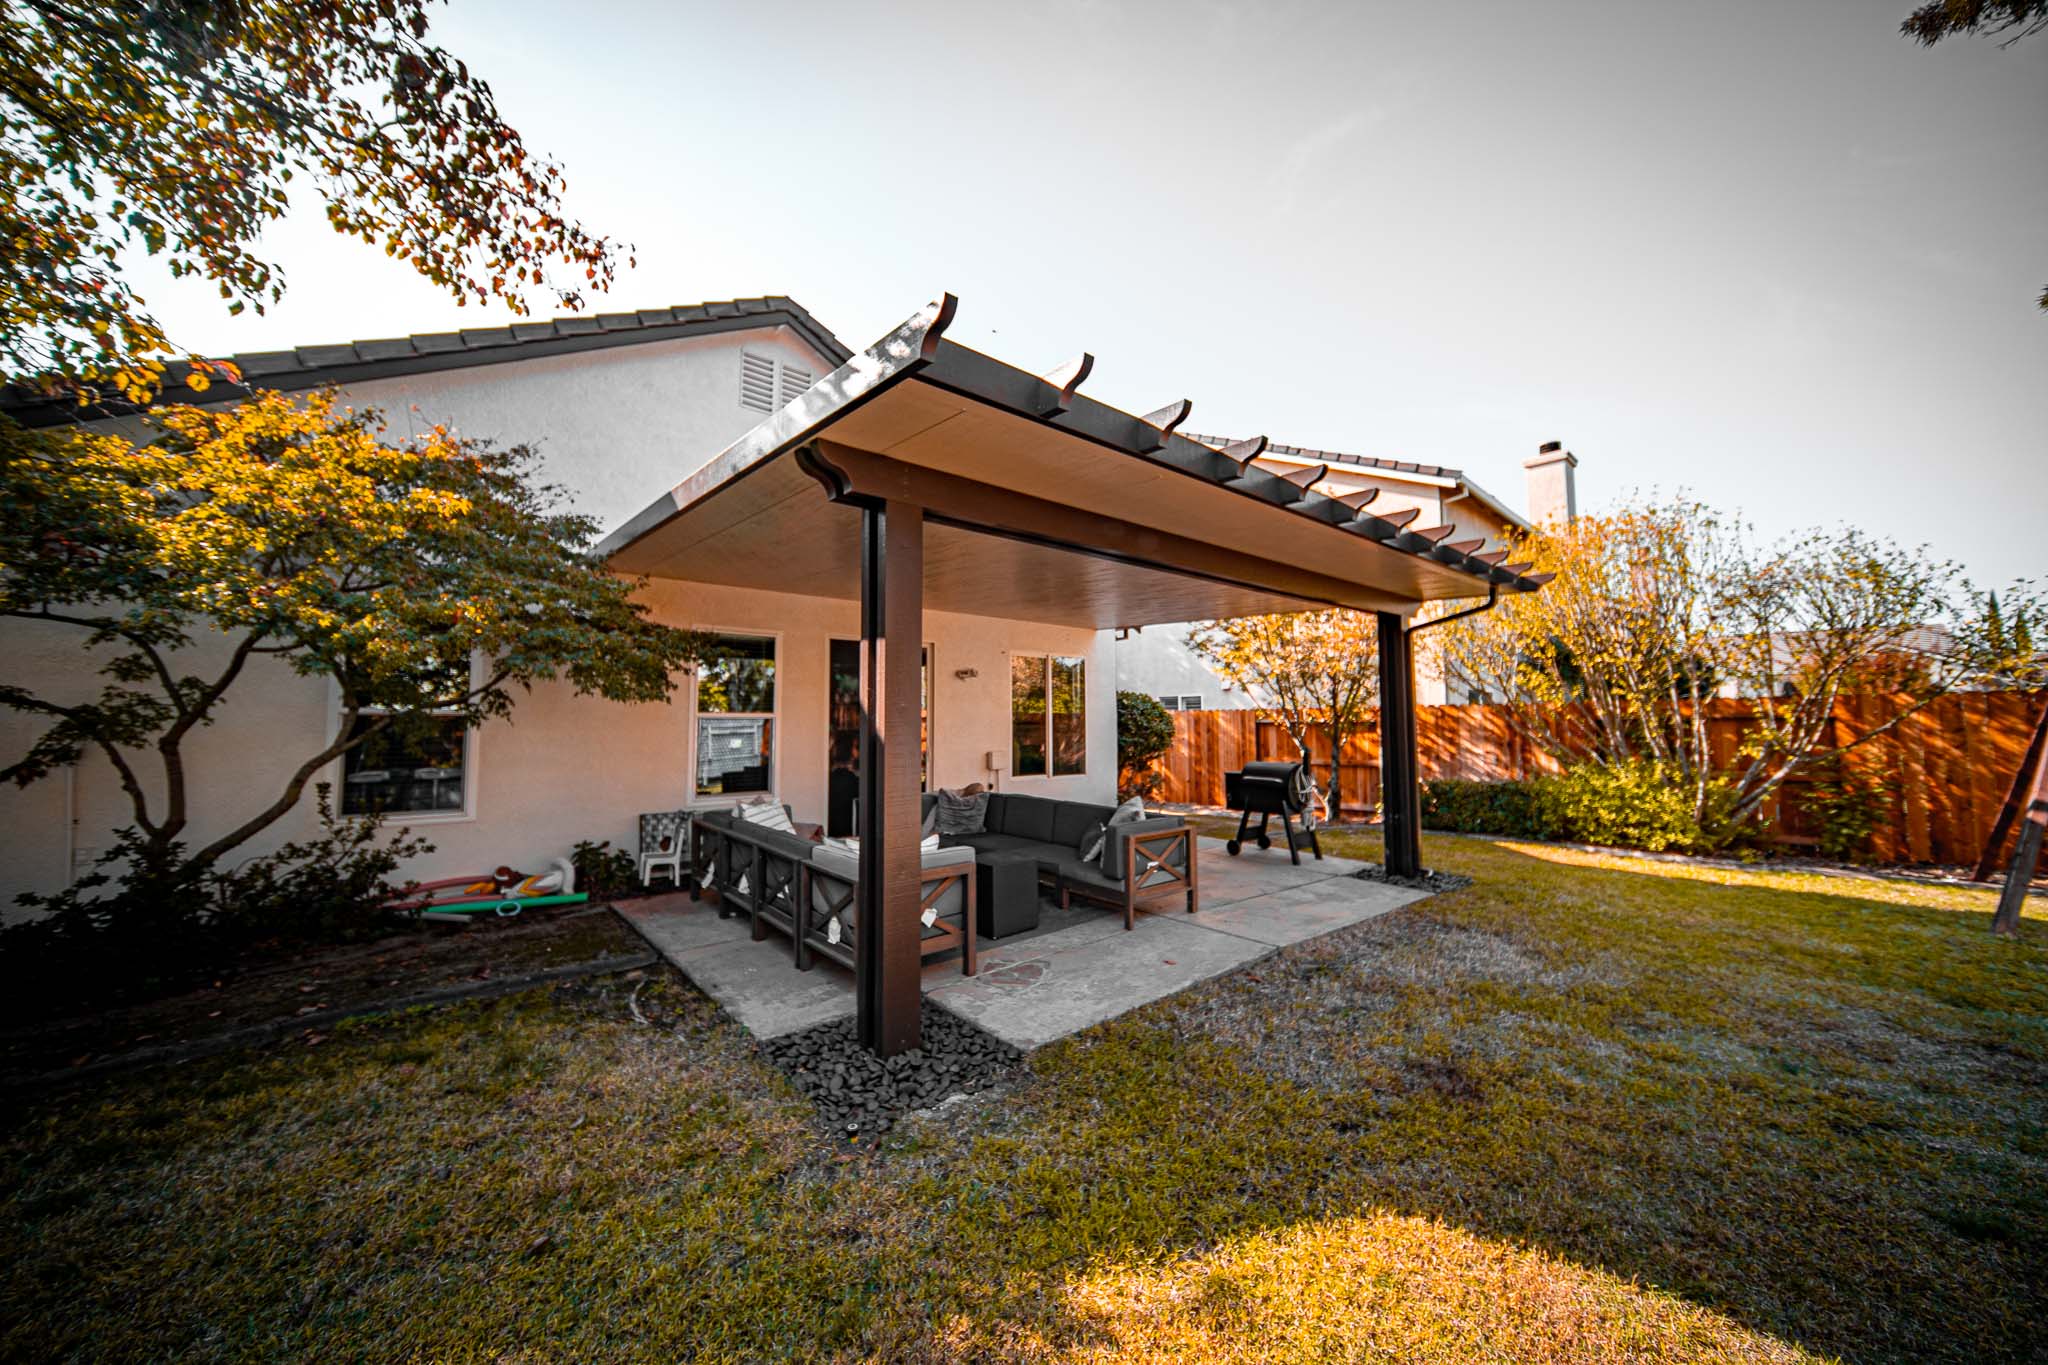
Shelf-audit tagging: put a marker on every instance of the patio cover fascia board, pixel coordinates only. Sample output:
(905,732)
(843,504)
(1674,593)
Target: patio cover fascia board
(918,350)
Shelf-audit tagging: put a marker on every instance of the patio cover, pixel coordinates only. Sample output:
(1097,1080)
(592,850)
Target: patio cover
(1166,528)
(921,473)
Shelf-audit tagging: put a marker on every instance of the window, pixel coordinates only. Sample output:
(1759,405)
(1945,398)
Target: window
(1179,702)
(735,715)
(416,764)
(767,383)
(1190,703)
(1048,716)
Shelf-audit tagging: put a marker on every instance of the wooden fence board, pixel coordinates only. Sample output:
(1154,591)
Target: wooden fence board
(1945,770)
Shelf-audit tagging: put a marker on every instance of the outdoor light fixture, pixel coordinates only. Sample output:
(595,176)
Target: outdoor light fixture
(963,674)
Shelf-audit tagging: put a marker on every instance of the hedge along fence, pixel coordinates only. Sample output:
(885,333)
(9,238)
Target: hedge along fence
(1944,771)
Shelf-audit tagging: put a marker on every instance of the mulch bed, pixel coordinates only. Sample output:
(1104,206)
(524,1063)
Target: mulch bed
(860,1095)
(1436,883)
(296,996)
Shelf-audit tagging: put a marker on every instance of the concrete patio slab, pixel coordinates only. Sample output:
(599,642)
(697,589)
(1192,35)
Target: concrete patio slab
(1038,1000)
(1306,912)
(1080,970)
(760,986)
(1260,872)
(678,927)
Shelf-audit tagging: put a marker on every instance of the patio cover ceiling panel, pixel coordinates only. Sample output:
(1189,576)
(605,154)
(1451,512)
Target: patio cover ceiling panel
(779,518)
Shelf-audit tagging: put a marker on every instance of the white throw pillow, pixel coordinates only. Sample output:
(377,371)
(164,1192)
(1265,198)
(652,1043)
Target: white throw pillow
(767,813)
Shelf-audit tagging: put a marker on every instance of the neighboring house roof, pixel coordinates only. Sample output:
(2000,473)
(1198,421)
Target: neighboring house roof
(353,362)
(1401,468)
(1428,471)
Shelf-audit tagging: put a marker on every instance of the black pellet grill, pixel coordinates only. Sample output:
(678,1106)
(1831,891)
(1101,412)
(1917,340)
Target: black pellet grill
(1269,789)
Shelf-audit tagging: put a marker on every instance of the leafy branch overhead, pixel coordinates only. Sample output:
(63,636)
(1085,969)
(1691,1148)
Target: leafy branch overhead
(428,577)
(181,128)
(2007,20)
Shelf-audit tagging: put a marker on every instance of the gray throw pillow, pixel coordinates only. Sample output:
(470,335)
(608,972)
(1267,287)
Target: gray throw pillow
(930,825)
(1091,845)
(962,814)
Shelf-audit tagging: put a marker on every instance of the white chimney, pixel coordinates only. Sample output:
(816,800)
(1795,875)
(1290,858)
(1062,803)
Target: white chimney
(1553,490)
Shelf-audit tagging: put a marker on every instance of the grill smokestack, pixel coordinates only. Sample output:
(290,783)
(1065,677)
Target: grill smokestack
(1553,489)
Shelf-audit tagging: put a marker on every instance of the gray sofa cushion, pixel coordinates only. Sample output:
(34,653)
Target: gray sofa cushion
(988,843)
(1074,872)
(1072,819)
(1029,817)
(846,864)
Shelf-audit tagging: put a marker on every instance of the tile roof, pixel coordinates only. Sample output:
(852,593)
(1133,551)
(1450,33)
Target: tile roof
(1431,471)
(307,366)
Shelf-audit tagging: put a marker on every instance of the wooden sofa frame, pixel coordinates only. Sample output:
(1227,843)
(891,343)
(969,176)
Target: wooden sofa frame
(779,894)
(1153,846)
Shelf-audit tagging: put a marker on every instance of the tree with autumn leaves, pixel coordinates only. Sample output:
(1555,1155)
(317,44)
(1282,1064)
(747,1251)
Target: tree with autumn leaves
(183,128)
(1306,669)
(1659,607)
(422,576)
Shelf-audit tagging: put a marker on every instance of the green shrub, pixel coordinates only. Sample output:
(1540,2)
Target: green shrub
(328,889)
(142,923)
(1631,805)
(1144,731)
(1624,805)
(604,872)
(1844,813)
(1468,807)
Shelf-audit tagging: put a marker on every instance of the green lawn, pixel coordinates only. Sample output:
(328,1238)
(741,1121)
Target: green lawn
(1589,1109)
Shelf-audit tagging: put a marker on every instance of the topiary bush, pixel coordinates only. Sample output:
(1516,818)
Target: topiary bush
(1144,731)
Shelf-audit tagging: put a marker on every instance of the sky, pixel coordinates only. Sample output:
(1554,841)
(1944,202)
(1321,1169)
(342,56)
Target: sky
(1774,255)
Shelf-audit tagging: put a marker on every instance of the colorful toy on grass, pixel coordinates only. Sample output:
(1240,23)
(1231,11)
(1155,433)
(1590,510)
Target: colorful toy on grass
(504,892)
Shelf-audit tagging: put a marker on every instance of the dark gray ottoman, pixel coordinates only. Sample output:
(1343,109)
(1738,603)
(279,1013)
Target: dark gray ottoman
(1006,892)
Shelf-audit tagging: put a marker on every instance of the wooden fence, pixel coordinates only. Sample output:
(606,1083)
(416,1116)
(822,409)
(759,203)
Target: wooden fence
(1945,770)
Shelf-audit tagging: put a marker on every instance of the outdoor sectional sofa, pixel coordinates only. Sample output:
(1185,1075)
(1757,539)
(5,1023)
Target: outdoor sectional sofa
(786,883)
(1141,862)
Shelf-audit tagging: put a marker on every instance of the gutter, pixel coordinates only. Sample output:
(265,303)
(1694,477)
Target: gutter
(1492,597)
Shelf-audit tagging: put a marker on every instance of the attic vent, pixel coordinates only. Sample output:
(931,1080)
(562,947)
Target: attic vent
(757,382)
(795,379)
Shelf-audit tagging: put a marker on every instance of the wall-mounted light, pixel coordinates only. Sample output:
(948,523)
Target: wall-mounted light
(963,674)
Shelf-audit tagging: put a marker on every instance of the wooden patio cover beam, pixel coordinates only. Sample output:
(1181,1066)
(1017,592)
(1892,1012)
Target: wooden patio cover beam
(864,477)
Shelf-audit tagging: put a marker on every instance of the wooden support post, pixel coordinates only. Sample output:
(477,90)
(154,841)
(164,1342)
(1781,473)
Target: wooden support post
(2014,799)
(887,978)
(2026,853)
(1400,796)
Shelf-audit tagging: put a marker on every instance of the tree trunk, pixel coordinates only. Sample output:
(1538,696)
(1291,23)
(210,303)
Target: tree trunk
(1335,813)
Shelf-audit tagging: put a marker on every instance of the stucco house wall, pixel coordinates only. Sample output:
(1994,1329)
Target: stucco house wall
(614,427)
